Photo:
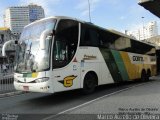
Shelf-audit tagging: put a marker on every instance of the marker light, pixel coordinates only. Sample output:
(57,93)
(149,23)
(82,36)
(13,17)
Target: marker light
(44,79)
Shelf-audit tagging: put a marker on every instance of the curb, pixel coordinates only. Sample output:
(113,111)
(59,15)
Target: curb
(155,77)
(11,94)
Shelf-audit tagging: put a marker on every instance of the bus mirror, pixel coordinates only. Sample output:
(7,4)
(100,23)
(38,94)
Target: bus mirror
(43,37)
(54,32)
(5,46)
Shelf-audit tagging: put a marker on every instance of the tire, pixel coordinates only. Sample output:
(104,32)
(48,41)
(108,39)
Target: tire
(143,76)
(90,83)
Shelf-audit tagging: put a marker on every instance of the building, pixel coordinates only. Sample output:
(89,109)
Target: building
(35,12)
(6,35)
(16,18)
(154,40)
(145,32)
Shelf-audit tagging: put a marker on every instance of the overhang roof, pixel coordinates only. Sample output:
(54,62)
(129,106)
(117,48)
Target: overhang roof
(152,5)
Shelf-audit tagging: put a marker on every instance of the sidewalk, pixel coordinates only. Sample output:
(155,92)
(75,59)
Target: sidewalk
(139,99)
(155,77)
(11,93)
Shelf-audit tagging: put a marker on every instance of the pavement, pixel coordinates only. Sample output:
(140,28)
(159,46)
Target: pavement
(10,93)
(131,100)
(155,77)
(14,92)
(137,102)
(131,97)
(36,104)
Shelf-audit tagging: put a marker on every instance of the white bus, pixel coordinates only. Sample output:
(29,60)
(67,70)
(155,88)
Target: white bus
(62,53)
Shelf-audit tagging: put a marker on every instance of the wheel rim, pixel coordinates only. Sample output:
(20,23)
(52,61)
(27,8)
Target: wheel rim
(90,84)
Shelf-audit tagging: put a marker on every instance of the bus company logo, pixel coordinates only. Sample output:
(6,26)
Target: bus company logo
(68,81)
(138,58)
(89,57)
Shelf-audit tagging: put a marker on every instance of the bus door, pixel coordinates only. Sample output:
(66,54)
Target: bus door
(65,67)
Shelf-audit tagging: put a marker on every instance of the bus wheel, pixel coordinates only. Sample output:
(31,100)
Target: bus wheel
(90,83)
(143,75)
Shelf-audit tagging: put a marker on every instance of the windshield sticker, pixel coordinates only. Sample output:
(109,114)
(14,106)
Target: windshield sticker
(34,75)
(30,75)
(68,81)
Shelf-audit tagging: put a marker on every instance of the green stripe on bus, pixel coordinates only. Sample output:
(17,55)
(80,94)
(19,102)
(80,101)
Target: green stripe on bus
(27,75)
(120,64)
(111,64)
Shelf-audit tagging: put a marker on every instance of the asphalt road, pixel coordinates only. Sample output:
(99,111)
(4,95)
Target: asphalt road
(107,99)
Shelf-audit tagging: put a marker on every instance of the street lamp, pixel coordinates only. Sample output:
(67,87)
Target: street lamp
(89,8)
(143,27)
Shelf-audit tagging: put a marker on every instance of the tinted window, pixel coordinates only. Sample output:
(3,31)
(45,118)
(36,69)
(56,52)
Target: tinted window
(89,36)
(142,48)
(97,37)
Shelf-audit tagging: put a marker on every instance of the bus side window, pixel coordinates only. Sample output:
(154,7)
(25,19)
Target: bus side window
(89,36)
(94,38)
(85,36)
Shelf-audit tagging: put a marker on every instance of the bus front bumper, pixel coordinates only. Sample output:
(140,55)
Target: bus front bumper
(34,87)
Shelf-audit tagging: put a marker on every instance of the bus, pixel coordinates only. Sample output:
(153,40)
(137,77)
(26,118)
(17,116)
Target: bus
(61,53)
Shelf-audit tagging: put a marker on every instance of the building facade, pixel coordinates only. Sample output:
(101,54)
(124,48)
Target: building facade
(16,18)
(6,35)
(35,12)
(145,32)
(154,41)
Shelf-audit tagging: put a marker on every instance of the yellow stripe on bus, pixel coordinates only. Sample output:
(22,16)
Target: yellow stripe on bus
(131,68)
(134,70)
(34,75)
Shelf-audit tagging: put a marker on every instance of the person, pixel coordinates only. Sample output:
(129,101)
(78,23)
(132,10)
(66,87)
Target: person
(1,68)
(7,66)
(4,68)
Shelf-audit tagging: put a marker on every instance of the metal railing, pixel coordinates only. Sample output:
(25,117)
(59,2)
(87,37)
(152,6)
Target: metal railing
(6,80)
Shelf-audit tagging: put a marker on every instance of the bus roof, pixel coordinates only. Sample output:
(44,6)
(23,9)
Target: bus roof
(54,17)
(119,33)
(91,24)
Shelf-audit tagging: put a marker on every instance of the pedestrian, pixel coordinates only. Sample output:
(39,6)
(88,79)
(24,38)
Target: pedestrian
(4,68)
(7,66)
(1,68)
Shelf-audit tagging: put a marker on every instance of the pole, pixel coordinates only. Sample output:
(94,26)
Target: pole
(143,27)
(89,7)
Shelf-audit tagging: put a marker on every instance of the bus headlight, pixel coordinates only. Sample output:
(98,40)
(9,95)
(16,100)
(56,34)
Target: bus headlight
(39,80)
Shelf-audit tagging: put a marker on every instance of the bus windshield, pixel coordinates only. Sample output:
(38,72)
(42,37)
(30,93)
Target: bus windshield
(29,56)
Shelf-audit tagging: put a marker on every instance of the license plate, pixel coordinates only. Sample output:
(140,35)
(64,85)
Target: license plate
(26,88)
